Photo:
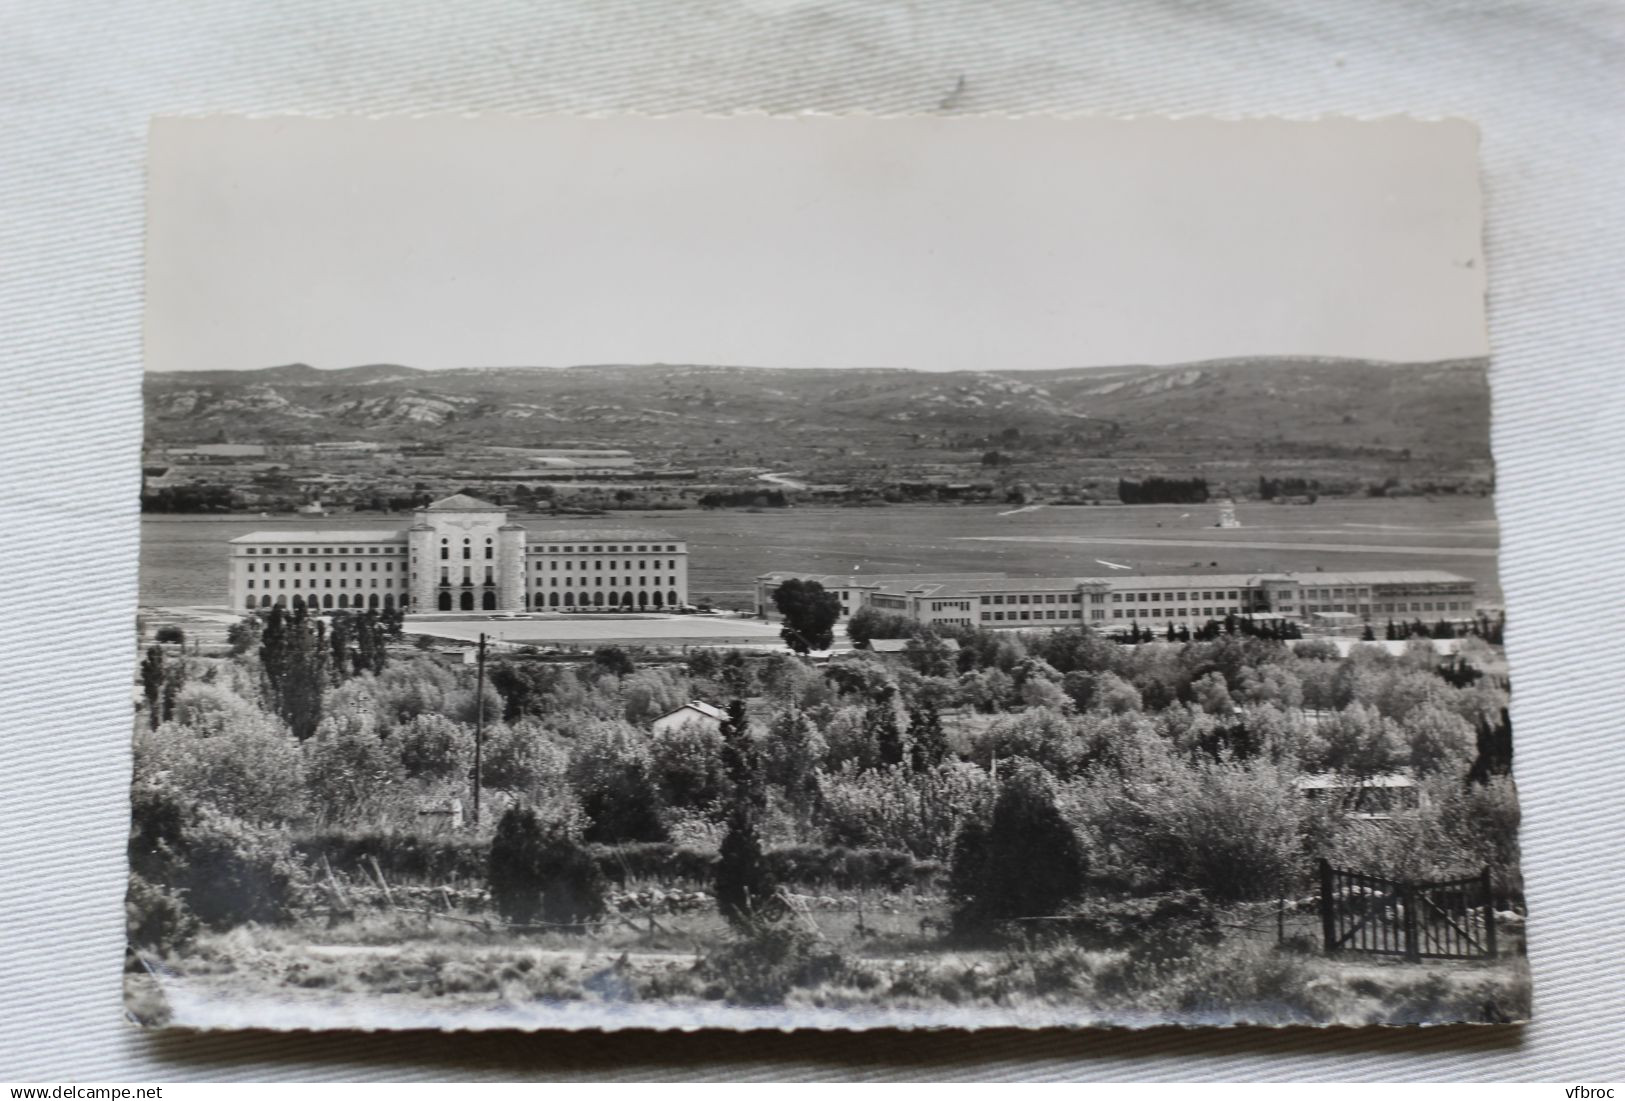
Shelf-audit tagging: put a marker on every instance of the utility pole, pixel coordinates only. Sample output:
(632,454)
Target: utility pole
(479,722)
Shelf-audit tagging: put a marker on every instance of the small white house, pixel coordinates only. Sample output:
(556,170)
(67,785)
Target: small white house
(695,713)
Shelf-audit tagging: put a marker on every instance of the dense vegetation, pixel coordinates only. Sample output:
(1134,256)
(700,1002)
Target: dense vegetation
(1162,491)
(1145,757)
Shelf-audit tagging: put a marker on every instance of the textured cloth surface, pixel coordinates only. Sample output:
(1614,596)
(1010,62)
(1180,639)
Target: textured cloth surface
(78,84)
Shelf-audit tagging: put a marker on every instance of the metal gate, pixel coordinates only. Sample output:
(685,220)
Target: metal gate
(1450,919)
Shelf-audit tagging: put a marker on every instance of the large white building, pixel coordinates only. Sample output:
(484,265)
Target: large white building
(460,554)
(1155,602)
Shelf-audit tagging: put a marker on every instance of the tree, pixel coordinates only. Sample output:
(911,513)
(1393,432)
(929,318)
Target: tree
(535,872)
(1494,749)
(880,726)
(809,614)
(244,635)
(613,659)
(171,633)
(152,684)
(392,621)
(743,882)
(871,623)
(928,744)
(1367,635)
(1023,862)
(293,663)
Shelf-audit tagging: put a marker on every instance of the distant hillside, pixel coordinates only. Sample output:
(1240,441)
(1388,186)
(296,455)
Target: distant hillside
(1435,413)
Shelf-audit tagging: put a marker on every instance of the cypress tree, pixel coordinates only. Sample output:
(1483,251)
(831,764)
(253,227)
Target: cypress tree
(928,744)
(880,724)
(743,883)
(152,683)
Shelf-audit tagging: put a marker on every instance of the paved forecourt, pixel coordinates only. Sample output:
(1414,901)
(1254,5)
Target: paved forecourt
(636,630)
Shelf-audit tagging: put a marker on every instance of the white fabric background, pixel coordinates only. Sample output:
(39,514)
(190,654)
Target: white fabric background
(78,83)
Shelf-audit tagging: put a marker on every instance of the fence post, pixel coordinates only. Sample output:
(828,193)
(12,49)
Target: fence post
(1490,948)
(1328,920)
(1407,898)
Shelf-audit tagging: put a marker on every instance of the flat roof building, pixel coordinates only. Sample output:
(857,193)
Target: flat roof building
(460,554)
(1148,601)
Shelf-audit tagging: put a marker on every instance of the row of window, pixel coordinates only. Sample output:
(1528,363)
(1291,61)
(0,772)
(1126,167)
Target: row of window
(327,567)
(598,582)
(344,583)
(626,599)
(327,601)
(1049,598)
(1049,613)
(326,550)
(1209,612)
(612,548)
(1159,597)
(598,564)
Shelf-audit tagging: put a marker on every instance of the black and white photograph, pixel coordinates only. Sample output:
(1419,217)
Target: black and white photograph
(819,572)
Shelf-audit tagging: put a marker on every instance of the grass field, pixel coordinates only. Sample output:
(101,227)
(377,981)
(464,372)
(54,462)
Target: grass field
(869,968)
(183,559)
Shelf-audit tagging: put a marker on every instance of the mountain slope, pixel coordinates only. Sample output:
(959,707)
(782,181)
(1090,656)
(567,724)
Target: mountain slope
(678,413)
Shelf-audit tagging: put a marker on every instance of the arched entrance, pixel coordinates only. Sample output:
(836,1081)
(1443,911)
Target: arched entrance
(327,600)
(250,604)
(466,601)
(489,600)
(657,598)
(569,600)
(298,601)
(598,600)
(643,599)
(265,601)
(389,601)
(552,600)
(444,603)
(372,601)
(344,600)
(671,598)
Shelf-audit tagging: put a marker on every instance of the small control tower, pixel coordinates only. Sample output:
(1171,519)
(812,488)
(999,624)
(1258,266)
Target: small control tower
(1227,515)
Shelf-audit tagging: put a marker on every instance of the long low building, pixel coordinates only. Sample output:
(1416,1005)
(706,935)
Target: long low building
(1159,601)
(460,554)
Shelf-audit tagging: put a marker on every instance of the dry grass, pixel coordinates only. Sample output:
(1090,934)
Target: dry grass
(880,964)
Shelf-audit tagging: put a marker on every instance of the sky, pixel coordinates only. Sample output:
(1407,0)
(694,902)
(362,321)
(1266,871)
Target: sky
(927,243)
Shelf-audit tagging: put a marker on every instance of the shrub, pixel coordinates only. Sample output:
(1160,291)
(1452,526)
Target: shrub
(523,758)
(231,873)
(227,871)
(1235,831)
(399,855)
(1164,926)
(536,873)
(1024,862)
(687,764)
(766,966)
(252,770)
(898,808)
(171,633)
(350,772)
(156,917)
(612,773)
(432,747)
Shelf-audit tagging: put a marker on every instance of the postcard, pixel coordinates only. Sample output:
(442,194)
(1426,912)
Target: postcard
(819,572)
